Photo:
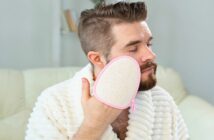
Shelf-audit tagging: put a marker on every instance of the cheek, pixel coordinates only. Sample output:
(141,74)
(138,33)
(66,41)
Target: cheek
(115,54)
(136,57)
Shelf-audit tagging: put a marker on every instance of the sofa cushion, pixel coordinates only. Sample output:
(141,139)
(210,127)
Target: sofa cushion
(171,81)
(11,92)
(37,80)
(13,127)
(199,117)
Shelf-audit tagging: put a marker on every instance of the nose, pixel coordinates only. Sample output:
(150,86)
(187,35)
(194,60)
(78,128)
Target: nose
(148,55)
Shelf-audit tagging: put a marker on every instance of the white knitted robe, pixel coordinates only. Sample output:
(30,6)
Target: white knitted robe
(58,114)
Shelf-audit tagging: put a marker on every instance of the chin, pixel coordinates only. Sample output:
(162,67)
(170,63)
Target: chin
(147,83)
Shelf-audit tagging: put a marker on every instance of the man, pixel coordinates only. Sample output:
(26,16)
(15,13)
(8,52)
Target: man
(69,111)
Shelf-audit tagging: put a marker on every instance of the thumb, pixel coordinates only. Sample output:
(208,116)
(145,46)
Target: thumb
(85,90)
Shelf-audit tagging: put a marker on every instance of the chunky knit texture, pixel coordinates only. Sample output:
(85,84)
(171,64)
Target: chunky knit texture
(58,114)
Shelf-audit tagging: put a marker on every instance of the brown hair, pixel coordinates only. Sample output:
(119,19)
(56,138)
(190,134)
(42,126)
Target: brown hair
(95,25)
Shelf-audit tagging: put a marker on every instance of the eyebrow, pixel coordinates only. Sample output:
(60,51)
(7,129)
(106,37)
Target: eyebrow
(134,42)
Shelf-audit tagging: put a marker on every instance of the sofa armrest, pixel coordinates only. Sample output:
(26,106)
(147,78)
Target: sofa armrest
(199,117)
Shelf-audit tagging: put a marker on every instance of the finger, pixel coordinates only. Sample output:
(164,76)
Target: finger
(85,90)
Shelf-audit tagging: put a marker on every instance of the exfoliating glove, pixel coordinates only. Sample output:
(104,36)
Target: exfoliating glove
(118,82)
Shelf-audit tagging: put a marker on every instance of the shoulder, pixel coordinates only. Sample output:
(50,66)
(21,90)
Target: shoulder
(60,90)
(71,87)
(42,117)
(48,96)
(54,108)
(57,96)
(64,94)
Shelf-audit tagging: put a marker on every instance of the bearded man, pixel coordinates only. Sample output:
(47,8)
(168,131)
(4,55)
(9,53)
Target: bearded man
(68,110)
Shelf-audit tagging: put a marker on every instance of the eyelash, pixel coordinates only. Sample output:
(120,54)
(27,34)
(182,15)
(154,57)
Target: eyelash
(149,45)
(136,48)
(133,50)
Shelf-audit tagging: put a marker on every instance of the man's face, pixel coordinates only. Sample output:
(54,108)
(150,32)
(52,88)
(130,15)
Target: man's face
(134,39)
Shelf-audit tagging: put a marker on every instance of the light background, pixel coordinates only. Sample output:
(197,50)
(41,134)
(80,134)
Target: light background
(33,35)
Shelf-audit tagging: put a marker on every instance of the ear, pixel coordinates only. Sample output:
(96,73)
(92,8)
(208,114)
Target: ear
(96,59)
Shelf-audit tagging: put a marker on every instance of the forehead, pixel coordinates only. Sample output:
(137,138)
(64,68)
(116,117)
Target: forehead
(126,32)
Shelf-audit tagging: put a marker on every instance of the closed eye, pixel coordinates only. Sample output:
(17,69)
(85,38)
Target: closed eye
(133,49)
(149,44)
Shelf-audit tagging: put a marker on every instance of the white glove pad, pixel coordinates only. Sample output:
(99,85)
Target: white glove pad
(118,82)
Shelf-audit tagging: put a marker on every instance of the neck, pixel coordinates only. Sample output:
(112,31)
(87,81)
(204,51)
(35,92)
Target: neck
(95,72)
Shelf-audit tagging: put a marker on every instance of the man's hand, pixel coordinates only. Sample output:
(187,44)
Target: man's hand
(96,113)
(97,116)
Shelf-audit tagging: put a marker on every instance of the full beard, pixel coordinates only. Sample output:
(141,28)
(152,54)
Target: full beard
(151,81)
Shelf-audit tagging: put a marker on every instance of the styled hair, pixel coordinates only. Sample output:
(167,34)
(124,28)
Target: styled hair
(95,26)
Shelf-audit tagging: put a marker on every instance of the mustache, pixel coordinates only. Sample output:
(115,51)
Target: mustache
(148,64)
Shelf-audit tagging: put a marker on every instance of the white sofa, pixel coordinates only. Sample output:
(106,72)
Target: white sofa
(20,89)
